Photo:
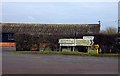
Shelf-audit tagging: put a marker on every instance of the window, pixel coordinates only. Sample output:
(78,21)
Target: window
(10,37)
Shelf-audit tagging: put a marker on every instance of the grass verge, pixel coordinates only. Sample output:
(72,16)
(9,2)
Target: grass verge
(65,52)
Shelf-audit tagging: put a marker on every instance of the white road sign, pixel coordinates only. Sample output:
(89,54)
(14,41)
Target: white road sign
(83,42)
(88,37)
(66,41)
(67,44)
(76,42)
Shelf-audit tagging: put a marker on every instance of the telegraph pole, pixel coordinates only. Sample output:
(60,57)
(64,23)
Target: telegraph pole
(99,22)
(99,25)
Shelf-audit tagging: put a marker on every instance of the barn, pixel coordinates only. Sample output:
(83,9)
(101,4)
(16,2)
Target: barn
(26,36)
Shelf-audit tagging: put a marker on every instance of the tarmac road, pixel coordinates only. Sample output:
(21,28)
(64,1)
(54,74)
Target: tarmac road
(0,60)
(57,64)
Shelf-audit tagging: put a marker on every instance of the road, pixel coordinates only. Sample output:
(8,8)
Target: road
(57,64)
(0,60)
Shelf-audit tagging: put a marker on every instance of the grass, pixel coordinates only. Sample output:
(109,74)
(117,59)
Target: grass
(66,52)
(48,52)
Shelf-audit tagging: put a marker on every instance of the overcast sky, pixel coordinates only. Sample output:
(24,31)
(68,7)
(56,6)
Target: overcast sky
(61,12)
(60,0)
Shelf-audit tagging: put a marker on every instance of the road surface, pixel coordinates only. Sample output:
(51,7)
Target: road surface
(57,64)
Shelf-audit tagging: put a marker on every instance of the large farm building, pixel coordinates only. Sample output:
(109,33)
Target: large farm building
(44,35)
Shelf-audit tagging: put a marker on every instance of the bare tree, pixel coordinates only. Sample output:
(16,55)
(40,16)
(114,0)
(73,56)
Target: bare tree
(109,30)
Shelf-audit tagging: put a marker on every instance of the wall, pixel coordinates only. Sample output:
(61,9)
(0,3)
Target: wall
(8,37)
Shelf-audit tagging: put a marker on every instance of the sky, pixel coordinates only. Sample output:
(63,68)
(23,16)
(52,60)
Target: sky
(59,0)
(61,12)
(119,14)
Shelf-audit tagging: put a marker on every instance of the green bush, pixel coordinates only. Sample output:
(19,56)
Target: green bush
(92,52)
(66,52)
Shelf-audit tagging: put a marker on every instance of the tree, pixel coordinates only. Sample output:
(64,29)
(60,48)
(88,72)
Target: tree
(109,30)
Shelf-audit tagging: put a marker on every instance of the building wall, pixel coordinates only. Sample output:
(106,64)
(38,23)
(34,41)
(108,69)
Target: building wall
(7,40)
(8,37)
(7,44)
(0,37)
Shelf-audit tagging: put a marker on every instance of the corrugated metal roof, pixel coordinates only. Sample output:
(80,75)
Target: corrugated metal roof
(50,28)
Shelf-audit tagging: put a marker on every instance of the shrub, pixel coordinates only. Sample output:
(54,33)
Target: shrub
(92,52)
